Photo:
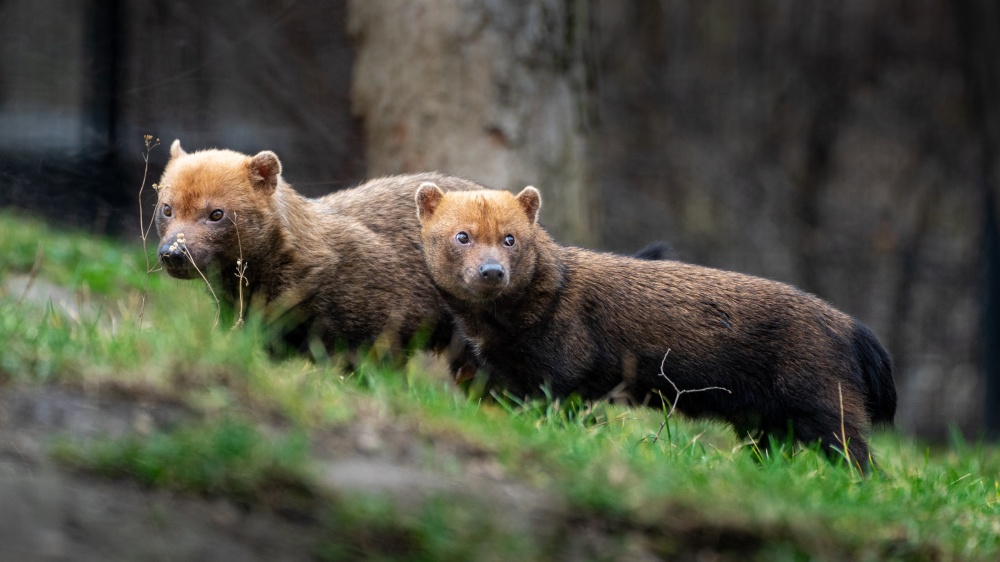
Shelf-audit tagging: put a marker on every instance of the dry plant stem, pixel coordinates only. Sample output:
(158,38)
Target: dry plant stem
(843,433)
(678,392)
(218,305)
(241,269)
(33,274)
(143,227)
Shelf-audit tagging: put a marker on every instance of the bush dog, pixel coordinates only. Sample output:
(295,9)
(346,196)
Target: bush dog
(345,270)
(538,313)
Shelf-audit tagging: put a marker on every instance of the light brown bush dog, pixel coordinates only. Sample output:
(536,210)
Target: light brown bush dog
(345,269)
(538,313)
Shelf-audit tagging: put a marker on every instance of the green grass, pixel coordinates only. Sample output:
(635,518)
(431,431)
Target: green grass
(228,457)
(611,487)
(76,262)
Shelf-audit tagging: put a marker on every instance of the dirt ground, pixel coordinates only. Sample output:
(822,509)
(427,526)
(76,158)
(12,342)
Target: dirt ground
(54,513)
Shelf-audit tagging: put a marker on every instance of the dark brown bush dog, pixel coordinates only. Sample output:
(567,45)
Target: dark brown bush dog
(596,324)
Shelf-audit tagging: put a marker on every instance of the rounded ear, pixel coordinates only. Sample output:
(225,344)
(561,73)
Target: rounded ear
(428,197)
(531,201)
(175,149)
(265,169)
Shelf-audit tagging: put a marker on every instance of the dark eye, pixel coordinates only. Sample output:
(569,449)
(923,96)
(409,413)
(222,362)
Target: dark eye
(167,211)
(508,240)
(216,215)
(462,238)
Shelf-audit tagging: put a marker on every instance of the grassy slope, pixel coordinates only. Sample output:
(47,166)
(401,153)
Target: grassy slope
(608,486)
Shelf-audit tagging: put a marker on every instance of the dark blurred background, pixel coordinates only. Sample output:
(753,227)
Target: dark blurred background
(849,147)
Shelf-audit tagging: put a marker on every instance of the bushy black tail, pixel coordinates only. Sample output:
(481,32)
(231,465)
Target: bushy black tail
(876,374)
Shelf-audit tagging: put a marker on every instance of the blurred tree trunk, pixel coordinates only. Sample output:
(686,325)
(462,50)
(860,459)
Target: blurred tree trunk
(494,91)
(979,28)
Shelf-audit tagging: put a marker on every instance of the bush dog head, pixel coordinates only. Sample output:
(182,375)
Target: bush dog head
(480,247)
(210,206)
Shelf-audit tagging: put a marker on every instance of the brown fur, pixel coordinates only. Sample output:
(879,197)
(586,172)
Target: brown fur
(345,269)
(599,324)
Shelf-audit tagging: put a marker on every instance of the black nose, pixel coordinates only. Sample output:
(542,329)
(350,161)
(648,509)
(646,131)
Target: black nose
(171,255)
(492,272)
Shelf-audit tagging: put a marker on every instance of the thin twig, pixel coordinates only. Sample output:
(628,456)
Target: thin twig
(241,269)
(33,274)
(144,229)
(843,432)
(677,395)
(179,243)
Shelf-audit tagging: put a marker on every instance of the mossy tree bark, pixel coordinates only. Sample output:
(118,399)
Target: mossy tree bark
(496,92)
